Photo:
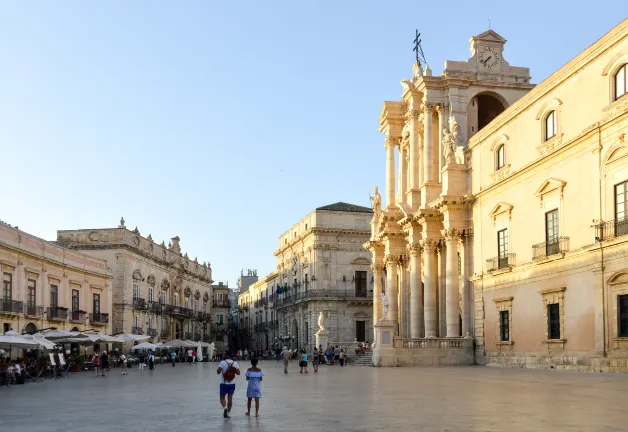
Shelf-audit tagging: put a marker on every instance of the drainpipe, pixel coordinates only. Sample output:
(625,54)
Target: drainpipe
(601,240)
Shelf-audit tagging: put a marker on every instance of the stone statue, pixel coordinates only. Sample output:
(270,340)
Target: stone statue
(121,223)
(321,321)
(450,140)
(376,202)
(384,301)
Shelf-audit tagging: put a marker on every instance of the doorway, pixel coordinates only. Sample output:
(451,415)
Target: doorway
(360,331)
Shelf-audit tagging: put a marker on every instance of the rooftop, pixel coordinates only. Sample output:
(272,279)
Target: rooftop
(345,207)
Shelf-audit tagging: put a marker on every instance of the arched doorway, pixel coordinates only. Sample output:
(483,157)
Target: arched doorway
(482,110)
(30,328)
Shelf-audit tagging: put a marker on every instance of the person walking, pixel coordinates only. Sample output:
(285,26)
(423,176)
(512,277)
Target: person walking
(315,359)
(342,358)
(228,369)
(104,362)
(151,361)
(96,362)
(141,364)
(123,369)
(173,357)
(245,354)
(337,353)
(254,376)
(303,362)
(285,356)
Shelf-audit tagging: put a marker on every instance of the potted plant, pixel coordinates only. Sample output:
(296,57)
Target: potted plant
(77,362)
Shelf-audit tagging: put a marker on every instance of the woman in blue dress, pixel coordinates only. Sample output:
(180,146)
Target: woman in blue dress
(254,376)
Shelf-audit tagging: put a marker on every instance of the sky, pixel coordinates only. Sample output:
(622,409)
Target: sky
(225,123)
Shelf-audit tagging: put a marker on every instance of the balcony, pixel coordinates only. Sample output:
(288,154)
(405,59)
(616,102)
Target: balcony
(57,314)
(218,304)
(351,295)
(179,311)
(98,318)
(33,311)
(152,332)
(139,304)
(165,334)
(219,328)
(504,261)
(187,335)
(197,336)
(137,331)
(555,247)
(78,316)
(10,307)
(155,307)
(205,338)
(611,229)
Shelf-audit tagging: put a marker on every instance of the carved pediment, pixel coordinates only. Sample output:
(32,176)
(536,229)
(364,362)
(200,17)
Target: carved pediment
(137,275)
(499,209)
(490,36)
(151,279)
(165,284)
(361,261)
(617,153)
(550,185)
(618,278)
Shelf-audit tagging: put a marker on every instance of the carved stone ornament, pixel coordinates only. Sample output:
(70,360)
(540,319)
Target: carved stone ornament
(384,300)
(321,321)
(206,297)
(197,295)
(391,141)
(187,291)
(165,284)
(136,241)
(450,140)
(151,279)
(137,275)
(94,236)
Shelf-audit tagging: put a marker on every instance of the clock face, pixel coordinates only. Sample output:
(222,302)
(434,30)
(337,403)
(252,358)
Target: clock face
(488,57)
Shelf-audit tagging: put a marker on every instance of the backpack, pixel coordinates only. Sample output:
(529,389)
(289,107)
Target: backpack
(230,373)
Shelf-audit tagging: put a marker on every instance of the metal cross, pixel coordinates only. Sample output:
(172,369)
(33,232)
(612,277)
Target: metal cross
(418,49)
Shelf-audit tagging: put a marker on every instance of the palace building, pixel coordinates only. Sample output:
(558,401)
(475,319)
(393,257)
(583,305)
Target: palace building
(505,239)
(45,285)
(157,290)
(322,266)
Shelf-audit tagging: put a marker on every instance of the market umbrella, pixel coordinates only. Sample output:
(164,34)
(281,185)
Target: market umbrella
(92,338)
(132,337)
(199,353)
(177,343)
(145,345)
(41,341)
(60,334)
(16,342)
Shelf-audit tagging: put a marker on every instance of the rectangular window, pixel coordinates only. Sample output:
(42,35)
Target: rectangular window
(504,326)
(7,286)
(136,322)
(54,296)
(96,304)
(150,322)
(622,316)
(176,299)
(150,293)
(553,321)
(75,300)
(136,290)
(621,209)
(162,298)
(502,248)
(360,283)
(32,293)
(360,331)
(220,319)
(552,245)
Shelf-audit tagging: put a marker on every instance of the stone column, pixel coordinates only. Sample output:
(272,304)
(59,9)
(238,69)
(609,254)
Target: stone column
(431,321)
(391,143)
(428,145)
(377,291)
(403,173)
(414,149)
(453,294)
(416,297)
(392,289)
(467,272)
(442,293)
(443,115)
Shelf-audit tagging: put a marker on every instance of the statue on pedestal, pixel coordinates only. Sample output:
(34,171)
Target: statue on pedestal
(384,300)
(376,203)
(450,140)
(321,321)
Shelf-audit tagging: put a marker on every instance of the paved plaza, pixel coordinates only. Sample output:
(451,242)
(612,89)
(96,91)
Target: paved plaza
(350,399)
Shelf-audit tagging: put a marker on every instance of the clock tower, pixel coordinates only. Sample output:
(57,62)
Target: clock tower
(486,50)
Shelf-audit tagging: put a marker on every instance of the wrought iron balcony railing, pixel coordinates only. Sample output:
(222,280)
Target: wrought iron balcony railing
(165,333)
(155,307)
(316,294)
(77,316)
(556,246)
(57,314)
(220,304)
(139,303)
(611,229)
(33,311)
(137,331)
(500,262)
(152,332)
(197,336)
(205,338)
(98,318)
(8,306)
(187,335)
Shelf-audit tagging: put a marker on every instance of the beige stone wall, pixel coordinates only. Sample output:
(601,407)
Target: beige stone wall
(24,258)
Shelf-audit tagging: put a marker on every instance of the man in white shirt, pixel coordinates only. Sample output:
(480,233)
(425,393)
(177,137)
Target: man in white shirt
(190,356)
(123,369)
(285,356)
(227,369)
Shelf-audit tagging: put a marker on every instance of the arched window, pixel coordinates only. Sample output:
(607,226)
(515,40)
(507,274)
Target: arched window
(621,87)
(550,125)
(501,157)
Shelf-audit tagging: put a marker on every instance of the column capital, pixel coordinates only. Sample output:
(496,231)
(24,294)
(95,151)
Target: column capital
(377,268)
(428,107)
(390,260)
(429,245)
(413,114)
(452,234)
(414,249)
(391,141)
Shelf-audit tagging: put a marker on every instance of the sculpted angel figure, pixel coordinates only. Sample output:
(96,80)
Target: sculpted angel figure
(450,140)
(321,321)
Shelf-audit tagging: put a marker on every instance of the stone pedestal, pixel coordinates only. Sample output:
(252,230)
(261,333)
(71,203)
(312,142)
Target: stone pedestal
(454,180)
(322,338)
(383,353)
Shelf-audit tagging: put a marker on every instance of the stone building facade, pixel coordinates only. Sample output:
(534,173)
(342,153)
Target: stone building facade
(157,290)
(489,233)
(220,315)
(322,266)
(45,285)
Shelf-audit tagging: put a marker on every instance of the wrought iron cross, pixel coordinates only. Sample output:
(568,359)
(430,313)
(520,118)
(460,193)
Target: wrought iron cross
(418,49)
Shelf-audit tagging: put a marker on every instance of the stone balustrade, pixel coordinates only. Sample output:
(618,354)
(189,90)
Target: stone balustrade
(434,343)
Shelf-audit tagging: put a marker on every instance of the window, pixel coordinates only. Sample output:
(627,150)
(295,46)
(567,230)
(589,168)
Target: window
(136,290)
(162,298)
(360,283)
(504,326)
(187,302)
(75,300)
(54,296)
(163,324)
(621,87)
(96,304)
(501,157)
(136,322)
(621,208)
(622,315)
(150,322)
(550,125)
(32,293)
(553,321)
(551,233)
(176,299)
(7,286)
(502,248)
(220,319)
(150,293)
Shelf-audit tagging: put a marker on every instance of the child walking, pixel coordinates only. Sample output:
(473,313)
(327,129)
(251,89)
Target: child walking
(254,376)
(303,362)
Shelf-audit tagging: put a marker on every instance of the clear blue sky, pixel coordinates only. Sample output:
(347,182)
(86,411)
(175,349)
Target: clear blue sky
(226,122)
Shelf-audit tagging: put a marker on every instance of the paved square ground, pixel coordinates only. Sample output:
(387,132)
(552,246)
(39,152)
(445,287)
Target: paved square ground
(185,398)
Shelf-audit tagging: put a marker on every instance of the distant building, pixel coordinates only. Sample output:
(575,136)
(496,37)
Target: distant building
(220,315)
(246,280)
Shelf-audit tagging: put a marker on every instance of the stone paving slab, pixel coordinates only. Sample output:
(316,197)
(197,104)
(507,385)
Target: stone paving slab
(185,398)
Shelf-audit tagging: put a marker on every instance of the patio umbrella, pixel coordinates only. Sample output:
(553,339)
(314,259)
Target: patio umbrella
(61,334)
(177,343)
(132,337)
(199,353)
(16,342)
(92,338)
(41,341)
(145,345)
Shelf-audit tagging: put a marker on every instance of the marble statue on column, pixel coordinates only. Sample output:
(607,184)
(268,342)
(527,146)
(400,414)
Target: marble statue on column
(322,335)
(451,136)
(376,203)
(321,321)
(384,300)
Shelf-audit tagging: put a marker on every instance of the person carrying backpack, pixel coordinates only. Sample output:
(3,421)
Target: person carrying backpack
(228,369)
